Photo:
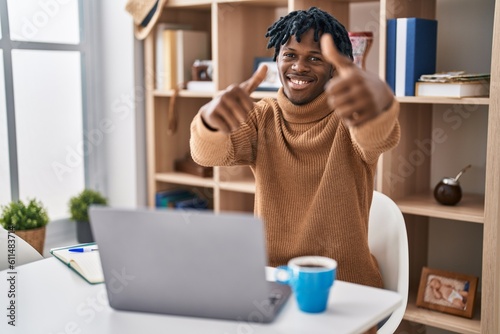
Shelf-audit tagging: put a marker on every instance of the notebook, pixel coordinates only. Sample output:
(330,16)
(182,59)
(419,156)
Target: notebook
(87,264)
(186,262)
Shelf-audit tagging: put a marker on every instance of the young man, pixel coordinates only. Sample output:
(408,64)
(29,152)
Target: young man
(313,149)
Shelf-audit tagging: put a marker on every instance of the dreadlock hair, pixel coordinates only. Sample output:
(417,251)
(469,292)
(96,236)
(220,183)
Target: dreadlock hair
(298,22)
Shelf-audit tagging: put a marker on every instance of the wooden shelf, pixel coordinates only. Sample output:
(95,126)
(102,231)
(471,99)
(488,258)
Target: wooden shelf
(203,4)
(442,320)
(244,23)
(185,179)
(444,100)
(184,93)
(469,209)
(270,3)
(263,94)
(200,94)
(244,186)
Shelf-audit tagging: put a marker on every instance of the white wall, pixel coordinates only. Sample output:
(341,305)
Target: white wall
(364,16)
(124,150)
(119,170)
(466,26)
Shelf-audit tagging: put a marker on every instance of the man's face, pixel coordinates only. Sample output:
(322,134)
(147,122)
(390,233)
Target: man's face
(303,70)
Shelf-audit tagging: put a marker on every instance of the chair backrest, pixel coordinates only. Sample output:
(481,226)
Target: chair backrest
(25,253)
(388,242)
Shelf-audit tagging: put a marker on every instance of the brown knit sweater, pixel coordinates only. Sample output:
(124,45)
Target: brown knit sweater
(314,178)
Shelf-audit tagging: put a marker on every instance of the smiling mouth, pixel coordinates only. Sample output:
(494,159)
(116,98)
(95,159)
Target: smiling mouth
(299,83)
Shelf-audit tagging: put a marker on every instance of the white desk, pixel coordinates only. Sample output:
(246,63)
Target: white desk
(52,299)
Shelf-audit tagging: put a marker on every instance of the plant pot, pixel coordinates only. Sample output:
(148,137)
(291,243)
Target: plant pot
(84,232)
(35,237)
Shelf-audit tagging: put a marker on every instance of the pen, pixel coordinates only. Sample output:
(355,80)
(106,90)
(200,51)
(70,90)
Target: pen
(82,249)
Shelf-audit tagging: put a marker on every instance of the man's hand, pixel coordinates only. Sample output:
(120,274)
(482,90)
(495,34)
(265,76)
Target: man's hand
(356,95)
(226,111)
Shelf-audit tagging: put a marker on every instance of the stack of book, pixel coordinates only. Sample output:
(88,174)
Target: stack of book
(177,48)
(180,199)
(453,84)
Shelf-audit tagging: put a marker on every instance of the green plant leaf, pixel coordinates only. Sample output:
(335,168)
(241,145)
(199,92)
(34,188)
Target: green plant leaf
(79,204)
(19,216)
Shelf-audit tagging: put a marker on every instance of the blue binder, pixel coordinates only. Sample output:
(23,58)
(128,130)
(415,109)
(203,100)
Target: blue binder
(415,44)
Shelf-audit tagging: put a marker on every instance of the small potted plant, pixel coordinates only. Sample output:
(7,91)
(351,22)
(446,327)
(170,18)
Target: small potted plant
(78,207)
(27,221)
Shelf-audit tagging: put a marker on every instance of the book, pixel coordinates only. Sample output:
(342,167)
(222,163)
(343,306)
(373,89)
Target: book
(390,68)
(416,42)
(169,59)
(168,198)
(201,86)
(180,199)
(455,76)
(86,264)
(159,70)
(192,203)
(453,89)
(180,49)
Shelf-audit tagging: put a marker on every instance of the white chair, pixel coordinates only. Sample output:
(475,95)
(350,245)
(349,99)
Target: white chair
(25,253)
(388,242)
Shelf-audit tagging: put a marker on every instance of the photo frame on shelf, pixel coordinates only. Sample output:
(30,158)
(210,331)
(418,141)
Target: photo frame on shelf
(272,81)
(447,292)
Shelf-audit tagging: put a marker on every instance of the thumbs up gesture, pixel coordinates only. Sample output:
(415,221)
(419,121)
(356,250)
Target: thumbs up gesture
(226,111)
(356,95)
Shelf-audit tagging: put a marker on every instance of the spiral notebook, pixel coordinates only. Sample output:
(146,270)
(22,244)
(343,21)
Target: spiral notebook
(86,264)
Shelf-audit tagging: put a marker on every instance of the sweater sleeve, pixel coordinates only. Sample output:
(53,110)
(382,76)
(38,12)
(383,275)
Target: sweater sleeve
(377,135)
(214,148)
(208,148)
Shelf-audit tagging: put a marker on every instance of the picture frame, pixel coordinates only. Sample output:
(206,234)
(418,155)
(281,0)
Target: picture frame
(447,292)
(272,81)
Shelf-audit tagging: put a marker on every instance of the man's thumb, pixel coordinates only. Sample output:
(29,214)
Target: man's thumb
(255,80)
(332,55)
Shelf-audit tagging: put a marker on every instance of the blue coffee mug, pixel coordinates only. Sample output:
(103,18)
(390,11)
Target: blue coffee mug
(310,278)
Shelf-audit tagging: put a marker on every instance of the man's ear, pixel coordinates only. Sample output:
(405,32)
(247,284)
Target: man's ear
(332,71)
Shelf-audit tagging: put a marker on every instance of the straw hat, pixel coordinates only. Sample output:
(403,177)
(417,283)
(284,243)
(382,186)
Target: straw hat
(145,14)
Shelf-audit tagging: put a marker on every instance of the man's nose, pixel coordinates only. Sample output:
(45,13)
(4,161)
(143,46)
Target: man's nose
(300,65)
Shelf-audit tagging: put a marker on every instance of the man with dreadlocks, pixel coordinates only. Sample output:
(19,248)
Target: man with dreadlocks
(313,149)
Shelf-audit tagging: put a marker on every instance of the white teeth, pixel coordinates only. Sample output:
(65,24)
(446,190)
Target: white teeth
(298,82)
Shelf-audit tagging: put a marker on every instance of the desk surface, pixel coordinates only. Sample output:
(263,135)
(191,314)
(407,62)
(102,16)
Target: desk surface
(52,299)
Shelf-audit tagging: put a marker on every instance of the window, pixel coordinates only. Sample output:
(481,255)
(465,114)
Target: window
(49,21)
(4,147)
(44,101)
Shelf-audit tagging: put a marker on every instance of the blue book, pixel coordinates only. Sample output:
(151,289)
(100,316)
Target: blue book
(192,203)
(416,43)
(390,60)
(168,198)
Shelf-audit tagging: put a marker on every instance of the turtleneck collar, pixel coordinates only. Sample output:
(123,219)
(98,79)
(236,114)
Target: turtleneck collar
(306,113)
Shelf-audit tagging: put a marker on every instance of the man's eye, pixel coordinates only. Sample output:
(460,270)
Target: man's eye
(315,59)
(289,55)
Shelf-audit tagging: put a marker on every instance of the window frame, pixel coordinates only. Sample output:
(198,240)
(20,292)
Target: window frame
(90,89)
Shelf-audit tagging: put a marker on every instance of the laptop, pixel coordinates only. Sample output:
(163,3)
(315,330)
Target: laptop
(187,263)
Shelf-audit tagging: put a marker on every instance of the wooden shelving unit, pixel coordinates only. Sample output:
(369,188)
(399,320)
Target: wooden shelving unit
(414,195)
(237,29)
(443,321)
(470,208)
